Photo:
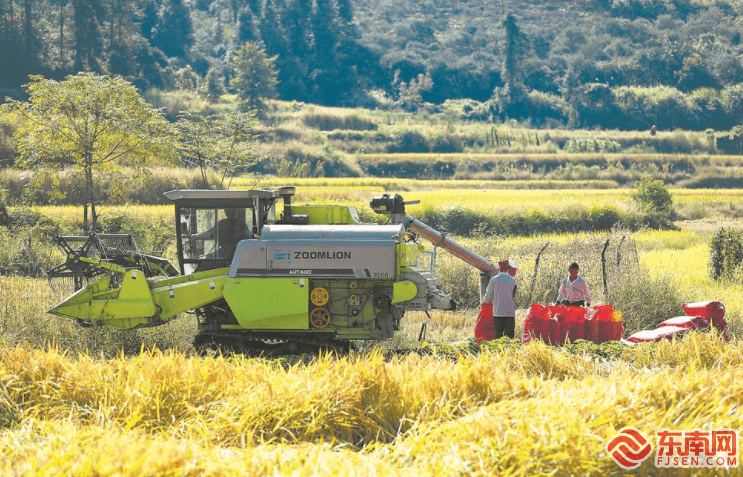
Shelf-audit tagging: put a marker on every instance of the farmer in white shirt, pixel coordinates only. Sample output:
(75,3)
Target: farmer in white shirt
(574,289)
(501,291)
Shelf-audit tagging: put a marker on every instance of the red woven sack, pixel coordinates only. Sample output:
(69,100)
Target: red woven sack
(485,327)
(665,332)
(592,327)
(610,331)
(557,330)
(694,322)
(722,325)
(575,321)
(553,332)
(607,324)
(708,309)
(533,324)
(603,312)
(698,323)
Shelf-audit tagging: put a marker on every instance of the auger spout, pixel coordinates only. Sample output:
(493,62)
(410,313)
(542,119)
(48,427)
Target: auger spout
(394,207)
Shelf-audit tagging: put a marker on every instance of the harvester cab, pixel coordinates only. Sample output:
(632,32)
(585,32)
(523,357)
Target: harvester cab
(264,278)
(210,224)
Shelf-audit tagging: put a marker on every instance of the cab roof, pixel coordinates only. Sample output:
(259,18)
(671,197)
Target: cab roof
(219,198)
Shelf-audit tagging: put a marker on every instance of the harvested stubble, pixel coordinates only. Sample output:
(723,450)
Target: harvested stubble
(528,410)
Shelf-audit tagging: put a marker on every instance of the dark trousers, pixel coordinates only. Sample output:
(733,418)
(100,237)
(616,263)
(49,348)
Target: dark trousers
(574,303)
(504,326)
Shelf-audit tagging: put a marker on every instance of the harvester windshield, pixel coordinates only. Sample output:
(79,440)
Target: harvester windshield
(213,234)
(210,224)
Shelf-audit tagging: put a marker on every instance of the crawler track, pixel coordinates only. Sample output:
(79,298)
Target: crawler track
(268,345)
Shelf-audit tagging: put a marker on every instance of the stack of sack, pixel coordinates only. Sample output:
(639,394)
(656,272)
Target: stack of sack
(701,316)
(557,324)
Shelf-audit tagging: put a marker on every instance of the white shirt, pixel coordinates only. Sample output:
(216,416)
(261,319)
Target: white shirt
(500,292)
(577,290)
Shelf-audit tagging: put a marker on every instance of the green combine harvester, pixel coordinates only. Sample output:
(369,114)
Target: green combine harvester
(309,276)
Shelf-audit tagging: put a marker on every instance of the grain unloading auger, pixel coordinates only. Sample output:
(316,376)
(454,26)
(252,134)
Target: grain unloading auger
(314,275)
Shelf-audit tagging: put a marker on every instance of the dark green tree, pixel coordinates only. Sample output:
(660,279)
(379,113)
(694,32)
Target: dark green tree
(294,66)
(594,105)
(324,72)
(255,76)
(149,19)
(173,33)
(88,16)
(247,27)
(30,41)
(510,100)
(212,85)
(272,30)
(512,49)
(296,18)
(726,254)
(16,66)
(130,54)
(653,198)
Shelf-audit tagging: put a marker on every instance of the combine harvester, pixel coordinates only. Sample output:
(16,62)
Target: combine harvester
(314,275)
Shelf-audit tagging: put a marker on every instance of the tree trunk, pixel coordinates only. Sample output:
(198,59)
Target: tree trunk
(28,30)
(61,35)
(89,185)
(81,48)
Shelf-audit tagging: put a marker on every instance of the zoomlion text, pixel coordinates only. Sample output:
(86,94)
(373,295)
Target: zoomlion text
(339,255)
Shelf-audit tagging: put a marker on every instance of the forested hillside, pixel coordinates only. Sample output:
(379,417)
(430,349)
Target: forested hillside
(627,64)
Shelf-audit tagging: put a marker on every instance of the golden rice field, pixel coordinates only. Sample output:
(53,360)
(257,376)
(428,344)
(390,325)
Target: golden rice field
(495,197)
(530,411)
(506,410)
(491,197)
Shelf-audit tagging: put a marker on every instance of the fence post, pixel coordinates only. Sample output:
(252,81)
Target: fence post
(536,266)
(603,269)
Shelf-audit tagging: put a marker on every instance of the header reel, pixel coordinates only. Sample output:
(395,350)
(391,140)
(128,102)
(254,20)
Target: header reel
(85,254)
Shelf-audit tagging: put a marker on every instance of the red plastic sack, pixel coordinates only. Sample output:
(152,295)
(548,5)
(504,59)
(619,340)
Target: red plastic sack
(535,322)
(603,312)
(722,325)
(557,330)
(713,310)
(485,326)
(698,323)
(556,324)
(665,332)
(607,324)
(693,322)
(610,331)
(575,322)
(592,327)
